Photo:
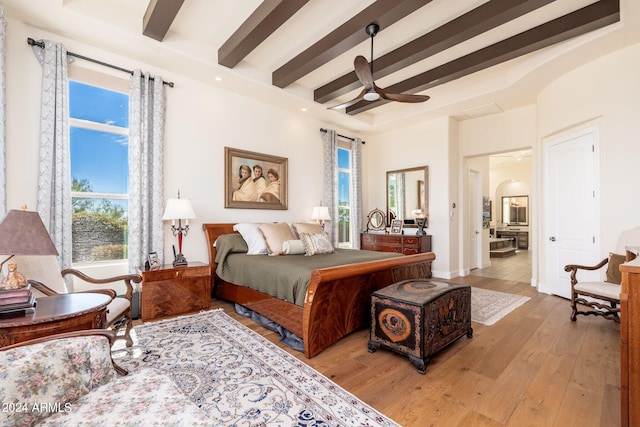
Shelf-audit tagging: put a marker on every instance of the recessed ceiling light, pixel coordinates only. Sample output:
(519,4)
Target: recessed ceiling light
(218,79)
(303,109)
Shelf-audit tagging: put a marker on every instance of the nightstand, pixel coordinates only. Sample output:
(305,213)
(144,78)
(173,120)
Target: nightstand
(169,291)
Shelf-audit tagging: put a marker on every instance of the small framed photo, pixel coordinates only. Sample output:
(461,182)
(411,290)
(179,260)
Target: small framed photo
(396,226)
(153,260)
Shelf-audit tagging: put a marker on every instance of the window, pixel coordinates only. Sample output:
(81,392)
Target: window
(344,197)
(99,140)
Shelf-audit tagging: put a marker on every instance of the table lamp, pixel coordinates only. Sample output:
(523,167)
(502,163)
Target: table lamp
(179,209)
(421,221)
(321,214)
(22,233)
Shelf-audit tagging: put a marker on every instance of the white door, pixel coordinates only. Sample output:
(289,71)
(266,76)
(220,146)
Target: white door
(473,219)
(571,207)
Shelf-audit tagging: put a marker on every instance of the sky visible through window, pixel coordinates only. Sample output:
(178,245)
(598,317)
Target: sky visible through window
(344,162)
(98,156)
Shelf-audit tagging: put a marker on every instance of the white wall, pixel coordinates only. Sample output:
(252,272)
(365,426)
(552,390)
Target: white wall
(605,91)
(424,144)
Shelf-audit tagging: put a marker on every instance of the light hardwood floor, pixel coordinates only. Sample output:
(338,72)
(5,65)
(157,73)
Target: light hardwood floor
(533,368)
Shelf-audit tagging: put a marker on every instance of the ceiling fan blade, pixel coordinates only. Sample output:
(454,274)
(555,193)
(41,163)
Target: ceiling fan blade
(363,71)
(349,103)
(401,97)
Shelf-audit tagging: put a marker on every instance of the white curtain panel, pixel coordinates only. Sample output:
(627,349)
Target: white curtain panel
(54,170)
(3,117)
(330,182)
(147,100)
(356,192)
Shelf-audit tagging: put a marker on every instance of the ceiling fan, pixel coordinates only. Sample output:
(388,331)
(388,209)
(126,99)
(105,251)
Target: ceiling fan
(371,92)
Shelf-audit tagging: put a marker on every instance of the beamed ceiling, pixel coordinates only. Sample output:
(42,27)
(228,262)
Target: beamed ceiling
(471,57)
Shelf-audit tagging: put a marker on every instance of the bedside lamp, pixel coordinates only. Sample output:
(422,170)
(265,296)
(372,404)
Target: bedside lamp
(22,233)
(179,209)
(421,221)
(321,214)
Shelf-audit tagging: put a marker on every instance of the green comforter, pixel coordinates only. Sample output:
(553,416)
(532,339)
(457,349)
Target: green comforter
(285,277)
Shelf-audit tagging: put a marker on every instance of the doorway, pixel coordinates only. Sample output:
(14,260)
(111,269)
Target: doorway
(507,172)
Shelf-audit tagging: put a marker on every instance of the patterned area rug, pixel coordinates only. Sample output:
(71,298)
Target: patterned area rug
(487,307)
(239,378)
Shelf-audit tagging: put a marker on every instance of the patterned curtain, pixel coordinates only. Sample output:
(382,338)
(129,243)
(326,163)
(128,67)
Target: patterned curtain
(330,182)
(147,101)
(54,170)
(330,195)
(3,117)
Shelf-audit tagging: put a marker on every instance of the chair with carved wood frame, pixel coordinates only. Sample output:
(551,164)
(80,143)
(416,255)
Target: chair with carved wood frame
(46,279)
(603,297)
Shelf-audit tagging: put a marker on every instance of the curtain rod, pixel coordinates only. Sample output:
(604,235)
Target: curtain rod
(32,42)
(341,136)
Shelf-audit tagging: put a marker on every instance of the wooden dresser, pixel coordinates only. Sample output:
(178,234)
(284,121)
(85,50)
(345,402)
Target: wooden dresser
(630,339)
(399,243)
(522,237)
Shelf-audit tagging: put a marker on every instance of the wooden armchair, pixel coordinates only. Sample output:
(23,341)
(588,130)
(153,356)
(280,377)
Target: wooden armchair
(603,296)
(43,272)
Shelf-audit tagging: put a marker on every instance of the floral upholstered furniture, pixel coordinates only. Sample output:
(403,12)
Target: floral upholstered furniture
(70,379)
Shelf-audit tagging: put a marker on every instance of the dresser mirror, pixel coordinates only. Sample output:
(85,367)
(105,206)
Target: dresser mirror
(407,194)
(377,220)
(515,210)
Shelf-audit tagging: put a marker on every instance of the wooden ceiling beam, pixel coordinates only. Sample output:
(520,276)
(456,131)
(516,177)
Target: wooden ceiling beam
(581,21)
(267,18)
(343,38)
(477,21)
(159,16)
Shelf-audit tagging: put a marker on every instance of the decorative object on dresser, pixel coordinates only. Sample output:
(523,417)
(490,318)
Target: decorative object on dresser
(237,377)
(419,317)
(178,209)
(320,214)
(169,291)
(400,243)
(56,314)
(254,180)
(422,221)
(377,221)
(23,233)
(396,226)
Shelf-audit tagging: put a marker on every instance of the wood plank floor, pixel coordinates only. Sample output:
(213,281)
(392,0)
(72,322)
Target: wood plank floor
(533,368)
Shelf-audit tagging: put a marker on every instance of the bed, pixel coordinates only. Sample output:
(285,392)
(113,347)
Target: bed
(337,299)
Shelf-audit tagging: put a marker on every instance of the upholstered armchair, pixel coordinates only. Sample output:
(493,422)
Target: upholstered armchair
(43,272)
(601,297)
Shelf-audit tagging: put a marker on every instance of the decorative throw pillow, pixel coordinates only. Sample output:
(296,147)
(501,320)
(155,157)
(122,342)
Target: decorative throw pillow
(274,235)
(293,247)
(315,244)
(307,227)
(613,269)
(252,235)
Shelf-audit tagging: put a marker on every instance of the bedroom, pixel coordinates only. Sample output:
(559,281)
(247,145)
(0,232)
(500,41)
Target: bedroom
(204,116)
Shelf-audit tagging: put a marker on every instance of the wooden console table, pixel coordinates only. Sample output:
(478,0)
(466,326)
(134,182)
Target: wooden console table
(630,339)
(55,314)
(169,290)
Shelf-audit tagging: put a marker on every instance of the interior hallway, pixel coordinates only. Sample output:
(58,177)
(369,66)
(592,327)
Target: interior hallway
(516,268)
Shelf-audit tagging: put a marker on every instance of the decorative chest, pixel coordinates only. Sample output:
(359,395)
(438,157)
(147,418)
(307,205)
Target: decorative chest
(419,317)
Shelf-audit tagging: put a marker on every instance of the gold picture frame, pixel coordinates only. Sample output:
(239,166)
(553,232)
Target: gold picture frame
(396,226)
(255,180)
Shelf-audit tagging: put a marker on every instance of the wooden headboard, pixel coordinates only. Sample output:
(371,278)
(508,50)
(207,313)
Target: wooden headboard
(212,231)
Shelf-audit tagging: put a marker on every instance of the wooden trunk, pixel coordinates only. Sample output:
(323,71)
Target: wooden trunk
(417,318)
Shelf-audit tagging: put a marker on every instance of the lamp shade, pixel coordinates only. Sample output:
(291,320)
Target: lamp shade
(178,209)
(23,233)
(321,213)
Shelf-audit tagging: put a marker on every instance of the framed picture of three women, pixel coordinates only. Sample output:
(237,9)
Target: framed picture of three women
(254,180)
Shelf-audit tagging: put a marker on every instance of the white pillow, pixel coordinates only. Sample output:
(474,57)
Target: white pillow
(253,236)
(292,247)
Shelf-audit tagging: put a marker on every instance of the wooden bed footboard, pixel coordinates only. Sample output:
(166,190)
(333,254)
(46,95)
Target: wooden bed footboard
(337,300)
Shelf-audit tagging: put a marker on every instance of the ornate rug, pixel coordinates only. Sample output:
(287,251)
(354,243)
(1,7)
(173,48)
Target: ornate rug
(239,378)
(487,307)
